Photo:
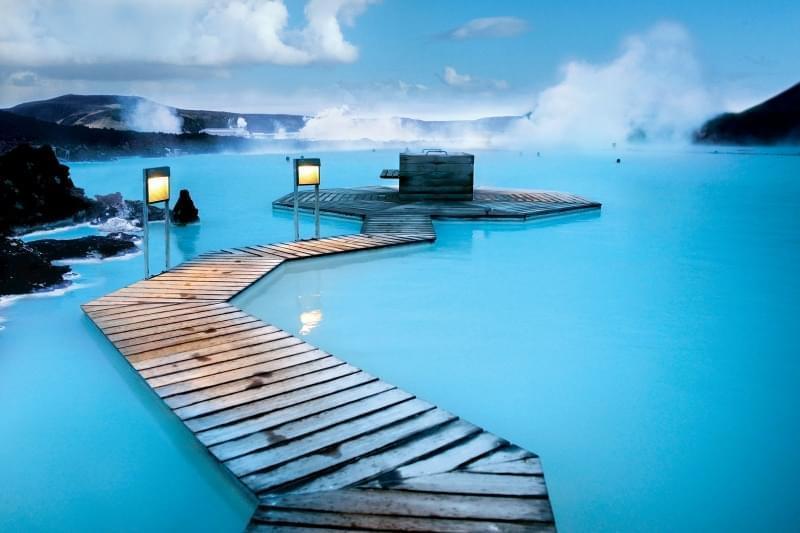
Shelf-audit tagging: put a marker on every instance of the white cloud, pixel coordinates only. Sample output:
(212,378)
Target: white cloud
(24,78)
(323,34)
(450,76)
(489,27)
(51,33)
(454,79)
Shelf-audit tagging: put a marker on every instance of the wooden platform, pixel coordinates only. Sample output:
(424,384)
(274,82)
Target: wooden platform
(320,443)
(487,204)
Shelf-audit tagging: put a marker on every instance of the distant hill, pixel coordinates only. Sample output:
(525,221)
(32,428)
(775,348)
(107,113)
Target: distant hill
(77,143)
(140,114)
(91,127)
(135,113)
(774,121)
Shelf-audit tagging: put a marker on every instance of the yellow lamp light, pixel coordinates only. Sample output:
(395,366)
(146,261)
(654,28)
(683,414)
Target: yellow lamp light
(157,184)
(156,189)
(307,171)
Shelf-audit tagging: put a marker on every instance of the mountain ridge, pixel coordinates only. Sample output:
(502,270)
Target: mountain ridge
(120,111)
(776,120)
(79,143)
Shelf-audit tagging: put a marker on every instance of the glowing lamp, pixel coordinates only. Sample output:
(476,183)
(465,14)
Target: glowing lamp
(306,171)
(157,184)
(156,190)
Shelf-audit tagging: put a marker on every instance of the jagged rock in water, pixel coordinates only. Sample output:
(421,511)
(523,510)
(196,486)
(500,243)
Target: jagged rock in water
(24,270)
(119,225)
(36,189)
(109,206)
(135,211)
(92,246)
(184,211)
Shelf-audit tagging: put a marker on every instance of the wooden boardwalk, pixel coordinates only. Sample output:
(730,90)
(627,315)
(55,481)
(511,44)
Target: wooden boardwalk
(320,443)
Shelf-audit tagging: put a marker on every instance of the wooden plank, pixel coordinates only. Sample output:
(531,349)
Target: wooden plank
(306,365)
(313,451)
(180,361)
(252,395)
(294,411)
(276,403)
(472,483)
(158,345)
(502,455)
(151,300)
(452,458)
(405,503)
(291,430)
(224,365)
(189,323)
(118,311)
(531,466)
(209,342)
(193,282)
(373,465)
(327,449)
(306,521)
(164,318)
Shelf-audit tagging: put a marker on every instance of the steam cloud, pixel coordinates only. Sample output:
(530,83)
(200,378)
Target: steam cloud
(150,116)
(653,90)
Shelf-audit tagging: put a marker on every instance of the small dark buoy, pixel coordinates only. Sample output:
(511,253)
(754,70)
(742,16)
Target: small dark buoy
(287,158)
(619,160)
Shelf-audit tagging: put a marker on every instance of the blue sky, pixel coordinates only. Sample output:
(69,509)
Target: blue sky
(395,57)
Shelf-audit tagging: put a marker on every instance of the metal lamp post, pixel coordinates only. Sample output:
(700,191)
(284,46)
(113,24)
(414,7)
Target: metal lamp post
(306,172)
(156,189)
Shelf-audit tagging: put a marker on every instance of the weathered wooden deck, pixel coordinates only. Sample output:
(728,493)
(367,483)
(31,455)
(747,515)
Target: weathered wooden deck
(368,203)
(320,443)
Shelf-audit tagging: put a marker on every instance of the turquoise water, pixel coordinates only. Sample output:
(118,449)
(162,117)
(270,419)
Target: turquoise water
(647,352)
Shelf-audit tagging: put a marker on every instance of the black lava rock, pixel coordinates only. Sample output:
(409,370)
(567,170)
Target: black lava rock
(36,189)
(24,270)
(774,121)
(184,211)
(92,246)
(134,211)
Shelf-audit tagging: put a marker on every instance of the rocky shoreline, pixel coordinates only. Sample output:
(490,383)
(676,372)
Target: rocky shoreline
(36,193)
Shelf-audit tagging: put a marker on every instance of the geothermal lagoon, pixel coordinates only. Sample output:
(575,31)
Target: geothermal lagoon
(644,351)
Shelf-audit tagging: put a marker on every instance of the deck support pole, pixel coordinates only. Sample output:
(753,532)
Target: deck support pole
(166,234)
(160,193)
(145,224)
(316,209)
(296,212)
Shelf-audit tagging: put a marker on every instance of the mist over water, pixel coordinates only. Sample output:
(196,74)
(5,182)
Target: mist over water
(651,92)
(155,117)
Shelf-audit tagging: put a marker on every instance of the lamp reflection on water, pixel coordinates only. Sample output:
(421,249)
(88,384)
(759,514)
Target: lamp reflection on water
(310,320)
(310,308)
